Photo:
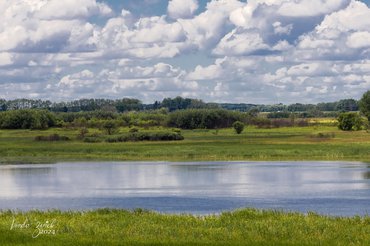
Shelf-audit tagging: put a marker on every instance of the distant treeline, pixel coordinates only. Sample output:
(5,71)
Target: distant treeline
(172,104)
(184,119)
(344,105)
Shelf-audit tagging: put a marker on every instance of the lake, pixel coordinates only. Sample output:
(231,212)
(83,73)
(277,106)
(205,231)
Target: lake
(332,188)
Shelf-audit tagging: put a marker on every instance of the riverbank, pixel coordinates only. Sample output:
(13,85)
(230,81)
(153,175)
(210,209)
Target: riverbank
(290,143)
(121,227)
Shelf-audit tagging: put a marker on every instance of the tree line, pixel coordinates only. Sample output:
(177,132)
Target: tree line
(180,113)
(184,119)
(172,104)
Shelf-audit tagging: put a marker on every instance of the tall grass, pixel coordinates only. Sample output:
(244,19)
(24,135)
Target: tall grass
(247,227)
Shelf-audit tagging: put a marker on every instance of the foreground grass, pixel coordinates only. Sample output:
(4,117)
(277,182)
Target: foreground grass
(120,227)
(297,143)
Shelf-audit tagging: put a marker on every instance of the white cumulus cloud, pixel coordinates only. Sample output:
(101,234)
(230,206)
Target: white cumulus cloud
(182,9)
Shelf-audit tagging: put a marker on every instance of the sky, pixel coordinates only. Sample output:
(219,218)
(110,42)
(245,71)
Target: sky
(255,51)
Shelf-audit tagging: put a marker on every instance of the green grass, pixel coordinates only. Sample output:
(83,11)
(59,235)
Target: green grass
(247,227)
(18,146)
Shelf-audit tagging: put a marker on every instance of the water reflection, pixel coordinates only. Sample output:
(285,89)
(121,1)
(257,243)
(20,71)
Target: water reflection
(367,175)
(327,187)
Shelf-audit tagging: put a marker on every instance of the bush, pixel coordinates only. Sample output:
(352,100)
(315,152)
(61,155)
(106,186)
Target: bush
(27,119)
(349,121)
(53,137)
(364,104)
(238,127)
(134,129)
(110,127)
(159,136)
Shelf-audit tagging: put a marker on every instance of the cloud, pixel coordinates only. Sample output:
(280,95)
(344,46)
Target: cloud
(358,40)
(48,26)
(6,59)
(182,9)
(258,51)
(240,43)
(126,80)
(341,35)
(149,37)
(70,9)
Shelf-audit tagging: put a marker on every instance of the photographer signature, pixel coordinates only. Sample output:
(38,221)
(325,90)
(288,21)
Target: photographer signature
(40,228)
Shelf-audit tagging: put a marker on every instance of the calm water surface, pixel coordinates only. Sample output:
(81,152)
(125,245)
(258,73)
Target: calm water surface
(334,188)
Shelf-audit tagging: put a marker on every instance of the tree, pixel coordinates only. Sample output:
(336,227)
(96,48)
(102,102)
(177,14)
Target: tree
(347,105)
(365,104)
(348,121)
(238,126)
(110,127)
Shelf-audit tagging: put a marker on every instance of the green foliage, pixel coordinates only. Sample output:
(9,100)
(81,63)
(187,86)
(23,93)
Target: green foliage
(346,105)
(110,127)
(365,104)
(145,136)
(80,122)
(180,103)
(204,118)
(52,138)
(349,121)
(133,129)
(238,127)
(128,104)
(27,119)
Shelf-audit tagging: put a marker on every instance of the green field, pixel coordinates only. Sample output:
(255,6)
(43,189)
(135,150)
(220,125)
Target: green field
(295,143)
(120,227)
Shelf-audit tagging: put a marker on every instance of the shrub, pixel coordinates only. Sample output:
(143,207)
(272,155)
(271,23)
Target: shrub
(349,121)
(53,137)
(238,127)
(364,104)
(159,136)
(134,129)
(110,127)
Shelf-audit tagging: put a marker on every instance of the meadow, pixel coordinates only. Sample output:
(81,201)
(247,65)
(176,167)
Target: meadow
(318,142)
(138,227)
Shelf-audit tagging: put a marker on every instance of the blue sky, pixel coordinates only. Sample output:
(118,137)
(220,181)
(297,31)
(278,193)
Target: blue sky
(256,51)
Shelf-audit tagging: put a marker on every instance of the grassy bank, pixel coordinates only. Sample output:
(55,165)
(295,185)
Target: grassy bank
(296,143)
(119,227)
